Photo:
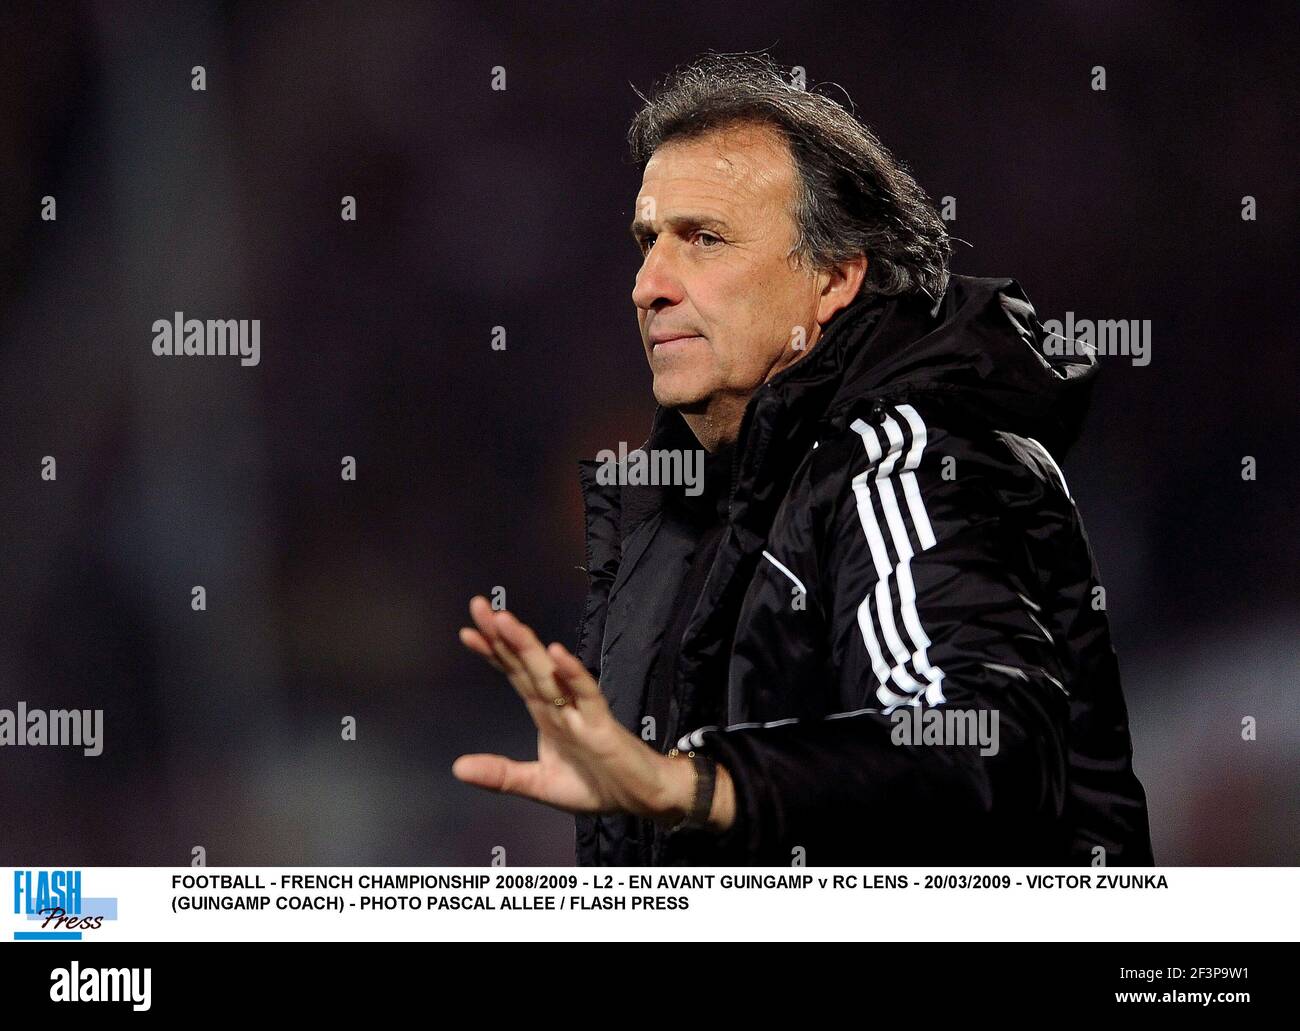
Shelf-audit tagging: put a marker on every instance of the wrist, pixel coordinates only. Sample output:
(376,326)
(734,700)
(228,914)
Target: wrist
(723,813)
(676,791)
(690,784)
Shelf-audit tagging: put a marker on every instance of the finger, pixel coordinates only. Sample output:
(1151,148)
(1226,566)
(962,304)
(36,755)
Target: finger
(538,693)
(497,773)
(477,643)
(541,668)
(572,674)
(519,678)
(484,616)
(487,621)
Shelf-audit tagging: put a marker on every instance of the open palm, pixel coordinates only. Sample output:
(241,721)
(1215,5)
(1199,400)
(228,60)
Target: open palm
(587,762)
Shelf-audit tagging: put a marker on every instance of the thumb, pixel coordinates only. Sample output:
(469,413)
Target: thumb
(497,773)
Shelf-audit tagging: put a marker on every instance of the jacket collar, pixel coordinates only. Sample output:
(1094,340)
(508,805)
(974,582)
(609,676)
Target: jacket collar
(981,346)
(776,424)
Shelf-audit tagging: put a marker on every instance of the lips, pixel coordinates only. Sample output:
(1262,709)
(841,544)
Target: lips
(672,341)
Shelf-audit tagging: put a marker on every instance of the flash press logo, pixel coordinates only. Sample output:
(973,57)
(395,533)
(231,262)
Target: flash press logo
(75,983)
(53,898)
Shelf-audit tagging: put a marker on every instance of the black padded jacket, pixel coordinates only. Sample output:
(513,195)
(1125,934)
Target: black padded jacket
(899,570)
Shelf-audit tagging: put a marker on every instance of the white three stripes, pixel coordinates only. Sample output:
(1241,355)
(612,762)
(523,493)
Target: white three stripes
(882,476)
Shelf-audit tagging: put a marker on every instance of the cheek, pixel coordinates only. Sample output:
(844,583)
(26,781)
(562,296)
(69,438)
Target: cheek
(768,332)
(751,324)
(739,348)
(789,306)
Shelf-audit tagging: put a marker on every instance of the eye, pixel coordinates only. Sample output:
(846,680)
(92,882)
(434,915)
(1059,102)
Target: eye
(713,237)
(644,243)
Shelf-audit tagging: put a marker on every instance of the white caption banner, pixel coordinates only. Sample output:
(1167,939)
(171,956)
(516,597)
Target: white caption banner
(575,904)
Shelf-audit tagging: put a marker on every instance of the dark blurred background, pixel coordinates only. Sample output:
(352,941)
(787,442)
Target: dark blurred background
(480,208)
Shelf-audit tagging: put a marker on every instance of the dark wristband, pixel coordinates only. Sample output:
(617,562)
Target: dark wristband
(706,770)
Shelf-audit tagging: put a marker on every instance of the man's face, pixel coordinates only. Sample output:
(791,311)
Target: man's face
(717,298)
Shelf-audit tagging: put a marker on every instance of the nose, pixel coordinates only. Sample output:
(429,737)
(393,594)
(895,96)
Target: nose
(657,283)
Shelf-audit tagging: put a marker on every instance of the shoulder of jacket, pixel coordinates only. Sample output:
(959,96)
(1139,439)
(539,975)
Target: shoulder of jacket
(914,438)
(891,436)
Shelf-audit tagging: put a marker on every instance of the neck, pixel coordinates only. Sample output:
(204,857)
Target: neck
(717,424)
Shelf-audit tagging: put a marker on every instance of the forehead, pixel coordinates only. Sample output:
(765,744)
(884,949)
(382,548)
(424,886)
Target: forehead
(734,168)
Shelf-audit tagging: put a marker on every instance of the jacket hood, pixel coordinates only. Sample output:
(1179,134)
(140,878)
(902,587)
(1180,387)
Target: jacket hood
(982,347)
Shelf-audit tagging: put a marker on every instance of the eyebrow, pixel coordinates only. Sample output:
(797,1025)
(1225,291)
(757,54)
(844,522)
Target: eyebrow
(638,228)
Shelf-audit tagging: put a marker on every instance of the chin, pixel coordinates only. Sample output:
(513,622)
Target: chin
(679,391)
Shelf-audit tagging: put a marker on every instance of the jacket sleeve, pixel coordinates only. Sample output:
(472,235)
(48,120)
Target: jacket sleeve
(948,739)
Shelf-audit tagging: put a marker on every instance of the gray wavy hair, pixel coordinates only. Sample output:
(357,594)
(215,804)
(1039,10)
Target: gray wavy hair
(853,198)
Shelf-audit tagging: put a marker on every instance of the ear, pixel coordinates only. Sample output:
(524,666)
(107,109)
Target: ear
(839,285)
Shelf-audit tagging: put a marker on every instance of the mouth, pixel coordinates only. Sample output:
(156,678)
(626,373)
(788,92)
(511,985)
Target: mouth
(671,344)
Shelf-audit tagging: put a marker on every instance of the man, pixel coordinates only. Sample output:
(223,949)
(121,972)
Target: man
(873,637)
